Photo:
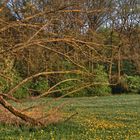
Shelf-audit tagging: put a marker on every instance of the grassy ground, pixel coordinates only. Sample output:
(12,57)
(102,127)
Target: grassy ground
(99,118)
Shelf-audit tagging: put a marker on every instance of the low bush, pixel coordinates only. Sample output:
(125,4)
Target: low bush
(39,86)
(13,78)
(10,80)
(101,83)
(99,80)
(133,83)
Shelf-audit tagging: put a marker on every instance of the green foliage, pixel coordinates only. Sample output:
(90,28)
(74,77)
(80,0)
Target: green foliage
(70,85)
(11,81)
(22,92)
(40,84)
(13,78)
(101,83)
(128,67)
(133,83)
(99,80)
(110,37)
(4,84)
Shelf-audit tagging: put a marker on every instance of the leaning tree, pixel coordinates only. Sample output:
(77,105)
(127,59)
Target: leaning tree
(61,41)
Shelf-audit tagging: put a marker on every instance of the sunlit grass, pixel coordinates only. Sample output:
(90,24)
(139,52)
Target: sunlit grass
(99,118)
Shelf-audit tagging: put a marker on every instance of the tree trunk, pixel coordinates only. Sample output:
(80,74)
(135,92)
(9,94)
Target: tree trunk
(18,113)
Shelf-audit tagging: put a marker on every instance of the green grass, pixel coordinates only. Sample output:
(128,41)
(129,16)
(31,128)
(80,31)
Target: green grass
(99,118)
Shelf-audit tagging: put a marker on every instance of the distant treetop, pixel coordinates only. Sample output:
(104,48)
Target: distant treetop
(15,7)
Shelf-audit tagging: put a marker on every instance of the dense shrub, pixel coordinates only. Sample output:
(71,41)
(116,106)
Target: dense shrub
(70,85)
(127,84)
(32,88)
(10,81)
(39,85)
(99,80)
(119,86)
(23,91)
(4,84)
(133,83)
(13,78)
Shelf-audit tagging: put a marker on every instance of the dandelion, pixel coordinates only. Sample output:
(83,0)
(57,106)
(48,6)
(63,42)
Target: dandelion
(52,137)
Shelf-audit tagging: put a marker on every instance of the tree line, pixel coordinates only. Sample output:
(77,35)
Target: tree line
(67,48)
(97,40)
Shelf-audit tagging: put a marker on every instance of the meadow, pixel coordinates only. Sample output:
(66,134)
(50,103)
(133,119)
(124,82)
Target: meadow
(99,118)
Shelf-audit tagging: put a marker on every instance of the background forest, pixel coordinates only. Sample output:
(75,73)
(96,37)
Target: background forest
(70,48)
